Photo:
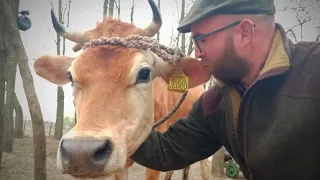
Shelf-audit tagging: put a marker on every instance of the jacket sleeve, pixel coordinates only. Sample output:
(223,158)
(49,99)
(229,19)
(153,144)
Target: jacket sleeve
(187,141)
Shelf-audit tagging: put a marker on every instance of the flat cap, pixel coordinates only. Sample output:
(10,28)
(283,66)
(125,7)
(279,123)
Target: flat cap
(204,8)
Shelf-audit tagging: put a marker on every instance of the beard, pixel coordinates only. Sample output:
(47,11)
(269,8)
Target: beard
(230,67)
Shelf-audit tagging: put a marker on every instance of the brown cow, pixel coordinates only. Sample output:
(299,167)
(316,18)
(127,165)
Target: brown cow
(118,94)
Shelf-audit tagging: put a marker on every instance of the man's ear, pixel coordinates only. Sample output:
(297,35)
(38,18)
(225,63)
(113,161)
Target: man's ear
(53,68)
(246,31)
(196,72)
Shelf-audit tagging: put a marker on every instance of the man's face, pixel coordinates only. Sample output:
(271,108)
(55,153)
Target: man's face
(217,51)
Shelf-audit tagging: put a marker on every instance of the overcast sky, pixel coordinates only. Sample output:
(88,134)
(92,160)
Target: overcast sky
(39,39)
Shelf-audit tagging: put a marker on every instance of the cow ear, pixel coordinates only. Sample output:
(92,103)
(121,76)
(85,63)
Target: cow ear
(53,68)
(196,72)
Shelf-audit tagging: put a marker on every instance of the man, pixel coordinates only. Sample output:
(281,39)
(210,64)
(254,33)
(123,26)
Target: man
(266,108)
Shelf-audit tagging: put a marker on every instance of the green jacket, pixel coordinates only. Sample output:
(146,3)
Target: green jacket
(272,129)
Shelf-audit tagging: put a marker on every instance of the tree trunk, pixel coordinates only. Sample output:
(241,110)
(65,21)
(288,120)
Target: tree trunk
(10,77)
(3,56)
(18,128)
(218,163)
(118,5)
(132,11)
(11,71)
(39,140)
(60,19)
(178,39)
(190,46)
(2,90)
(14,6)
(60,94)
(58,130)
(185,173)
(105,7)
(158,34)
(183,35)
(111,8)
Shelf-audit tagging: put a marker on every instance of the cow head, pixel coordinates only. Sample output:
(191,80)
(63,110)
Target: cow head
(113,95)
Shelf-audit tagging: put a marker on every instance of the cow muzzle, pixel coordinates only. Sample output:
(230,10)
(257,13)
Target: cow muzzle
(85,157)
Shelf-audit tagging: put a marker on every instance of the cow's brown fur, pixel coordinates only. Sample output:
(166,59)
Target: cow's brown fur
(111,28)
(164,101)
(101,69)
(97,64)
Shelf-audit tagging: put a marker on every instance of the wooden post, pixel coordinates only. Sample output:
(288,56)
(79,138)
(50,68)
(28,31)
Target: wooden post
(50,128)
(185,173)
(218,163)
(24,126)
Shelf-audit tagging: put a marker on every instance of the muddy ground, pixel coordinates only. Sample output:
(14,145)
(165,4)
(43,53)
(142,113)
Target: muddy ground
(19,164)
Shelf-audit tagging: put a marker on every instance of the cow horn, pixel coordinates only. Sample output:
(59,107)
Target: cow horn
(76,47)
(76,37)
(156,23)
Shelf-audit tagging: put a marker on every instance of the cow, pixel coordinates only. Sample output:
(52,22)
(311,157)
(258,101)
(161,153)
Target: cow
(119,93)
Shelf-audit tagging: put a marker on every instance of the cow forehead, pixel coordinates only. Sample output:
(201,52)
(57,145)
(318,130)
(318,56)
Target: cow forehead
(109,62)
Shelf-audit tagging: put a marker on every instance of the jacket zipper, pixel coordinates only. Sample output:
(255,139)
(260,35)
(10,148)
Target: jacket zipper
(231,132)
(242,127)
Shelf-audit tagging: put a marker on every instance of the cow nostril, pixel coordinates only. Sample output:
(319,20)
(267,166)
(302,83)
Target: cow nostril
(64,154)
(103,152)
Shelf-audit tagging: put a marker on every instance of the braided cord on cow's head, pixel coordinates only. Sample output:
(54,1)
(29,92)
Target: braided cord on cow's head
(170,55)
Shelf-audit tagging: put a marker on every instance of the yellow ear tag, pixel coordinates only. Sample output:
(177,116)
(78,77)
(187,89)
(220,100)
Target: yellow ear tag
(178,82)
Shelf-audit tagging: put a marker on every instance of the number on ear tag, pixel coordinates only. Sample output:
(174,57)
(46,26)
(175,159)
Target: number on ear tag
(178,82)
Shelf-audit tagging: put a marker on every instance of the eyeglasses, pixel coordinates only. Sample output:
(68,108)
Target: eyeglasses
(196,39)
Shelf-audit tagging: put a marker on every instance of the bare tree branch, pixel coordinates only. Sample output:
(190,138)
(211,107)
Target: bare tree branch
(318,36)
(302,15)
(111,8)
(300,23)
(302,8)
(68,22)
(177,7)
(50,32)
(64,12)
(158,34)
(132,10)
(68,15)
(178,39)
(105,7)
(183,35)
(118,7)
(51,4)
(172,32)
(190,46)
(116,3)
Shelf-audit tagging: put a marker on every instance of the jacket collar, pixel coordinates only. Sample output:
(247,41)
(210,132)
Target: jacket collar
(278,61)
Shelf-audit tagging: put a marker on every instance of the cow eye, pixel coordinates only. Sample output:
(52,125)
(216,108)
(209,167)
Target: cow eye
(69,77)
(143,75)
